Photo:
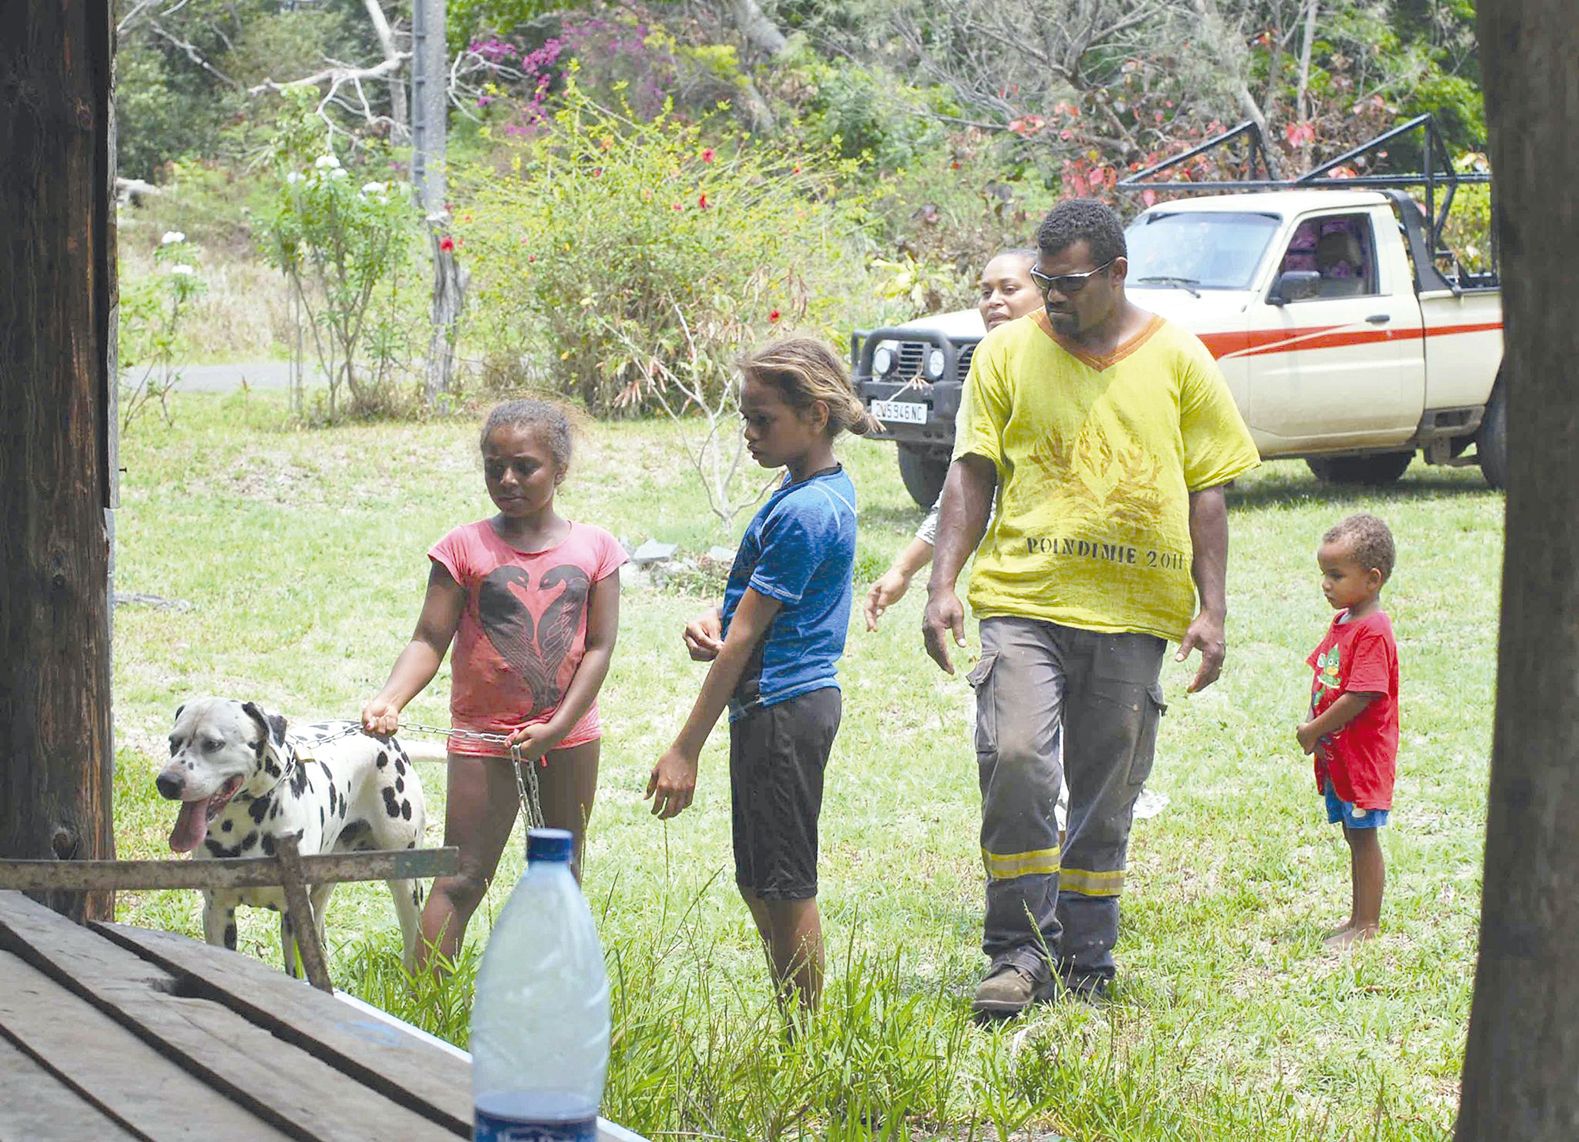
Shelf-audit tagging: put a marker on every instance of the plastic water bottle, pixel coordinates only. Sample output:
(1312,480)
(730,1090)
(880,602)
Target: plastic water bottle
(540,1021)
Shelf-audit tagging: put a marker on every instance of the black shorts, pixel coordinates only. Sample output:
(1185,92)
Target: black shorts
(776,757)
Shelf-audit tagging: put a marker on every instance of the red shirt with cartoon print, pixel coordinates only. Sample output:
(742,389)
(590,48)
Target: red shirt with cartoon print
(1358,657)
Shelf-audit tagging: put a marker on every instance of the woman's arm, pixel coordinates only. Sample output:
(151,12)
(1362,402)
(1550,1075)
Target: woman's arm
(603,625)
(673,780)
(419,661)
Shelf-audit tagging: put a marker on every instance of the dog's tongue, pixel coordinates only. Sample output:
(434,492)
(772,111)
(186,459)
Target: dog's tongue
(191,826)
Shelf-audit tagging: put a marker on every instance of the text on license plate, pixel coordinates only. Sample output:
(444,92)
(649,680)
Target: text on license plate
(900,411)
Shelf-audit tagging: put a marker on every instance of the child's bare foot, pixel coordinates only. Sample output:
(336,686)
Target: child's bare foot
(1328,937)
(1344,937)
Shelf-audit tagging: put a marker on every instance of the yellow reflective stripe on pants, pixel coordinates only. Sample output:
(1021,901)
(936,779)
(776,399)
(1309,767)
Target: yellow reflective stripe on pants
(1089,883)
(1007,866)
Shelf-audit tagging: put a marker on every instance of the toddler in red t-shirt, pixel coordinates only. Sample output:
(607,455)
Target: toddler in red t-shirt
(1353,725)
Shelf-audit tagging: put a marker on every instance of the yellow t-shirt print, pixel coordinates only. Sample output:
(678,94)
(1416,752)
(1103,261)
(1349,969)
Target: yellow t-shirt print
(1096,461)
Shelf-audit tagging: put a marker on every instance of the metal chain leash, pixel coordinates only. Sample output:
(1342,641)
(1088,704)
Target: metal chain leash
(525,787)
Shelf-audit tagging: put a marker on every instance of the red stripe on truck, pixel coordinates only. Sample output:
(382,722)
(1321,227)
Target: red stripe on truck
(1263,342)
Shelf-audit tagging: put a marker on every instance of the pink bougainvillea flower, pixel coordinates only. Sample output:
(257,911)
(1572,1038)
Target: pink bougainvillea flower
(676,206)
(701,200)
(774,316)
(531,257)
(707,155)
(446,243)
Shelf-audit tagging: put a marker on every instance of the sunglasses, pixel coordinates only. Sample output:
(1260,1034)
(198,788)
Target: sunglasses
(1066,283)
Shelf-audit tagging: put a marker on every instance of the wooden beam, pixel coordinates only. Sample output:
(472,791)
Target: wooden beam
(232,872)
(57,300)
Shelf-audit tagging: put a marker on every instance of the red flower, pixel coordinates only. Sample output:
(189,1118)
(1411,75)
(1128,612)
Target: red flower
(676,206)
(531,257)
(701,200)
(446,243)
(707,155)
(774,316)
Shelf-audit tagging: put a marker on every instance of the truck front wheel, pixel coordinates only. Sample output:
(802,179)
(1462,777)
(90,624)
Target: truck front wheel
(923,473)
(1383,468)
(1491,442)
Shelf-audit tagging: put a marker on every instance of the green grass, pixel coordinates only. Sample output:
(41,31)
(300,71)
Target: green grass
(301,555)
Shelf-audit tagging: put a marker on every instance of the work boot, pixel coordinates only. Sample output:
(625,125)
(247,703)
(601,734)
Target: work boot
(1006,992)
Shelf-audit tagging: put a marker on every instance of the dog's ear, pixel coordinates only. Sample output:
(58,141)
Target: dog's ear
(178,710)
(272,725)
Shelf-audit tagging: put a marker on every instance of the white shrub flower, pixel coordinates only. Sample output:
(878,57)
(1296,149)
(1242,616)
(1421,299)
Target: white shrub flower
(171,237)
(183,269)
(327,162)
(293,177)
(372,188)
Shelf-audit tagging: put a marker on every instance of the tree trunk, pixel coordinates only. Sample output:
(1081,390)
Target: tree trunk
(397,83)
(1231,54)
(759,31)
(56,316)
(1523,1050)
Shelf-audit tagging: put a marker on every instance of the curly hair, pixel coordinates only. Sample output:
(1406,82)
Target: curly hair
(805,371)
(543,416)
(1368,539)
(1082,219)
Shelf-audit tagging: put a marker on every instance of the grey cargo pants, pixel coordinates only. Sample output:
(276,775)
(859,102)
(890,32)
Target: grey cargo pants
(1034,677)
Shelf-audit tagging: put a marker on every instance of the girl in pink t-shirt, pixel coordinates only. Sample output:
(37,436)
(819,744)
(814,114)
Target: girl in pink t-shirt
(531,602)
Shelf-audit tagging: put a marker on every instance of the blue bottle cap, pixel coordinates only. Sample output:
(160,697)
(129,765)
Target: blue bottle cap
(549,844)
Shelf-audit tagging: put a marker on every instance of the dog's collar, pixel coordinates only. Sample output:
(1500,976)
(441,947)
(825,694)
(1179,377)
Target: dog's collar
(288,763)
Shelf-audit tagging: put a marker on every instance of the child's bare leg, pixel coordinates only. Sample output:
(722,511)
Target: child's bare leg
(791,931)
(567,785)
(1369,874)
(479,812)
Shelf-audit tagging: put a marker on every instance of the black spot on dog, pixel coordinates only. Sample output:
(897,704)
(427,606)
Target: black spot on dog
(215,849)
(299,781)
(274,812)
(276,726)
(271,767)
(268,844)
(226,825)
(259,808)
(248,841)
(230,935)
(391,805)
(405,809)
(411,844)
(320,816)
(383,759)
(400,766)
(400,785)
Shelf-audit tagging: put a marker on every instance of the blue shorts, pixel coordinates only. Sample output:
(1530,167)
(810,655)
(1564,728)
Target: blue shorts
(1345,811)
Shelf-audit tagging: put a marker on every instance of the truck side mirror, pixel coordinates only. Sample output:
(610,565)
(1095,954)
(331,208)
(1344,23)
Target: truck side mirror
(1294,285)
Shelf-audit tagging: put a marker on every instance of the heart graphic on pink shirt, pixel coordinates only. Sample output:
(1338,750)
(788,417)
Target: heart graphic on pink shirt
(534,646)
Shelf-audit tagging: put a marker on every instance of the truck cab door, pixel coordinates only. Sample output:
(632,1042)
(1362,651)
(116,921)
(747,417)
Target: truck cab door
(1336,356)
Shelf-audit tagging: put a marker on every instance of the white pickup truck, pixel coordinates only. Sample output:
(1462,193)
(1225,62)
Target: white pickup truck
(1342,340)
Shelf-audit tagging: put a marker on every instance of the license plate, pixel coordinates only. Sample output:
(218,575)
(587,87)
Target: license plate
(900,411)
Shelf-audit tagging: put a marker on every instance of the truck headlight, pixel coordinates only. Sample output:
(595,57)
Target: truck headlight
(883,361)
(935,362)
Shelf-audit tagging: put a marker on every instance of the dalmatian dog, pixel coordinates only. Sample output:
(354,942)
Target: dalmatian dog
(243,782)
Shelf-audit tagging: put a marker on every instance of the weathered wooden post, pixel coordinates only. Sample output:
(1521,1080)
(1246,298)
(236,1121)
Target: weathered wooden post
(57,302)
(1523,1047)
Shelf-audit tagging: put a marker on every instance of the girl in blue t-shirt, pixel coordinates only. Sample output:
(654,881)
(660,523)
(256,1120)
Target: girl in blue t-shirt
(774,647)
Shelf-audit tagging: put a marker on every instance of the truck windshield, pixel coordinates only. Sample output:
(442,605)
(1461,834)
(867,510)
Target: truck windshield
(1198,249)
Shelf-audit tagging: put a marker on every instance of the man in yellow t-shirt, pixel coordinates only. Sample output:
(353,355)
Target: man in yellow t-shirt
(1107,434)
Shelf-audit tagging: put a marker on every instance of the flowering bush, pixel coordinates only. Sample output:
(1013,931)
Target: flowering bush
(347,252)
(152,313)
(608,247)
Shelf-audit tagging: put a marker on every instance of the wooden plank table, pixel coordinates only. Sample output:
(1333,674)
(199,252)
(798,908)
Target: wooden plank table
(114,1032)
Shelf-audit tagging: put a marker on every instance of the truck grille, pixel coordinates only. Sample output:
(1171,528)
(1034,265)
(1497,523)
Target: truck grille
(913,355)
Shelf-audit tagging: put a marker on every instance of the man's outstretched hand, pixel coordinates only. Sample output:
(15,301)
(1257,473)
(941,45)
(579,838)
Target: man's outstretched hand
(944,617)
(1206,635)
